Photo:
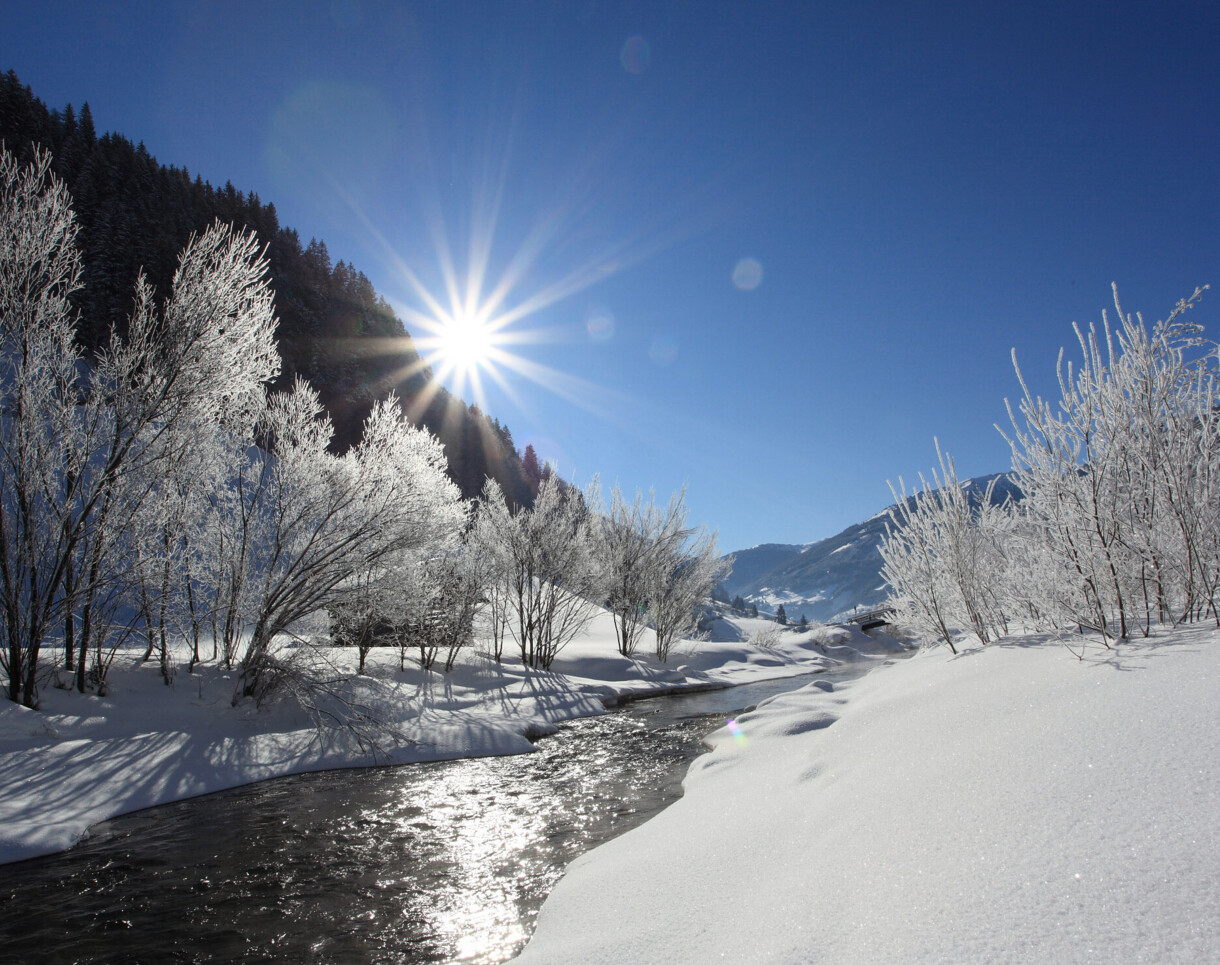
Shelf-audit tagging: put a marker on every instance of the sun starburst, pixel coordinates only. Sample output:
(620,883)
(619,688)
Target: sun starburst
(470,330)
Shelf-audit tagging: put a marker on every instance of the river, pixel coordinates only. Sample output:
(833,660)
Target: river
(423,863)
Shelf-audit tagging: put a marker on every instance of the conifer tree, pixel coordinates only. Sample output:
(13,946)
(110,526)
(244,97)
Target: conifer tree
(531,468)
(135,215)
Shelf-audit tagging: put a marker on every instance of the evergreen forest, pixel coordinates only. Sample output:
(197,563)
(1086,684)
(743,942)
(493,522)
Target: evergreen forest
(135,214)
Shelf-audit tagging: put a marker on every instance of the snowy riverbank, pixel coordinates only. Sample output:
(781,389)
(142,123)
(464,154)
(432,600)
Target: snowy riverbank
(81,759)
(1010,804)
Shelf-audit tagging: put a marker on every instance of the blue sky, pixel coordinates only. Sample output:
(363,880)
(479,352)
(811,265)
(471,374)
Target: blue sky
(924,187)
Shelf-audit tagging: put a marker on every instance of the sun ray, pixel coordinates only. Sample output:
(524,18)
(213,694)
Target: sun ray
(467,330)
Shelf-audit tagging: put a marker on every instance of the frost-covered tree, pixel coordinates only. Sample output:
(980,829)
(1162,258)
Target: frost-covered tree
(633,543)
(358,617)
(944,556)
(85,443)
(411,603)
(683,584)
(1119,473)
(39,270)
(174,377)
(318,521)
(654,568)
(544,579)
(489,541)
(1117,528)
(438,616)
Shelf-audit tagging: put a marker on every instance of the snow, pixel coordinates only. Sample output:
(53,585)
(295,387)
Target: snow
(1010,804)
(768,597)
(81,759)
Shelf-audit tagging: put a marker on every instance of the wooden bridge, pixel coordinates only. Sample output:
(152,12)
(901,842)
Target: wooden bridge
(871,619)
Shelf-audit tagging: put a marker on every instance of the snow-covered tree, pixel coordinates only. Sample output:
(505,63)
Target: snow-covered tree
(86,444)
(490,543)
(682,584)
(39,385)
(319,521)
(1120,473)
(942,556)
(544,578)
(634,544)
(1117,528)
(438,615)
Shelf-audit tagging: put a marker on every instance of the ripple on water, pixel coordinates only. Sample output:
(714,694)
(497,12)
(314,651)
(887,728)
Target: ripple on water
(435,862)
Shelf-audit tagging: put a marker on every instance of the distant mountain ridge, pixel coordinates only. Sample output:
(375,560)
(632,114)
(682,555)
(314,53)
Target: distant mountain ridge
(830,577)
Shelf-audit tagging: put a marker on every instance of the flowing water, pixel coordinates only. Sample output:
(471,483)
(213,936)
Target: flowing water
(424,863)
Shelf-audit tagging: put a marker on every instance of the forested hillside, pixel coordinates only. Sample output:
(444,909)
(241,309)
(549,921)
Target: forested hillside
(135,213)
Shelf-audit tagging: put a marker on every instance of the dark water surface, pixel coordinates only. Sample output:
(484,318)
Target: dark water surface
(423,863)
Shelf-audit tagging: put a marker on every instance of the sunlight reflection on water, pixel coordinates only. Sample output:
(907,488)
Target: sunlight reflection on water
(434,862)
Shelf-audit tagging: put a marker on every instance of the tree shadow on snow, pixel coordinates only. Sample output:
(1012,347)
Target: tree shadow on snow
(1123,655)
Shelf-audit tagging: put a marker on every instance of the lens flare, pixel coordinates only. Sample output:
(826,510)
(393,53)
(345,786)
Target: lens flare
(600,325)
(636,55)
(747,274)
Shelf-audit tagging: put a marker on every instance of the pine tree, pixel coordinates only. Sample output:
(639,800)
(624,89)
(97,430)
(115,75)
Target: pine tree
(135,215)
(85,125)
(781,617)
(533,471)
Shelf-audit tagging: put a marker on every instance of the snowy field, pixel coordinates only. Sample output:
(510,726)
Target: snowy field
(1009,804)
(81,759)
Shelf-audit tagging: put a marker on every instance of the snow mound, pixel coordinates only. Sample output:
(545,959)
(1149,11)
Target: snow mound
(1007,805)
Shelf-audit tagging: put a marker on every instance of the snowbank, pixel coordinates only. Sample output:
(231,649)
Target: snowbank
(1007,805)
(81,759)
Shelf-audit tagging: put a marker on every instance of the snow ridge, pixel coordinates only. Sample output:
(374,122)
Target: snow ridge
(1011,804)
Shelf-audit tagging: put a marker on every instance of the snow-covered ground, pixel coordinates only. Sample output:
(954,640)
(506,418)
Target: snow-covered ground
(81,759)
(1010,804)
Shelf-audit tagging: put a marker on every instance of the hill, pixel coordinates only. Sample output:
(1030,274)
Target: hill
(335,331)
(829,577)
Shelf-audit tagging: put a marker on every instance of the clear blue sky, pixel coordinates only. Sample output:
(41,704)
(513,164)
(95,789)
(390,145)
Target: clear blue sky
(924,186)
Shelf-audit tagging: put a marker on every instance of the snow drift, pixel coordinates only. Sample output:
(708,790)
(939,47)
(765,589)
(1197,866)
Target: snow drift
(1009,804)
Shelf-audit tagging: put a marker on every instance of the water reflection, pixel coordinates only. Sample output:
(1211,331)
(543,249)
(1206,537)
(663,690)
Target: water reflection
(436,862)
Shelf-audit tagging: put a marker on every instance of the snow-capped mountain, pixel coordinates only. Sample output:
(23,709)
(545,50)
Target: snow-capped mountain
(830,577)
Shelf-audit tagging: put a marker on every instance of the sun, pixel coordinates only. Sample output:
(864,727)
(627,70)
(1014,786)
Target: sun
(470,340)
(470,330)
(465,342)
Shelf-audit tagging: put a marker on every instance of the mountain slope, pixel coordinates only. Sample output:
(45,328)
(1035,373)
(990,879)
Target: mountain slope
(830,577)
(757,561)
(335,331)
